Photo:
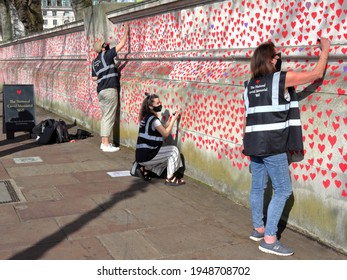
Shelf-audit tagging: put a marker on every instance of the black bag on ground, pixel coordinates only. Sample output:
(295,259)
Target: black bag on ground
(62,134)
(48,131)
(37,130)
(83,134)
(80,135)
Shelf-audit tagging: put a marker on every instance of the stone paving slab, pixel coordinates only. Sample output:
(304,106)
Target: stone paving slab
(40,181)
(129,245)
(150,195)
(19,235)
(91,189)
(241,251)
(166,214)
(3,173)
(44,209)
(92,176)
(8,215)
(84,249)
(10,162)
(43,169)
(186,237)
(42,194)
(97,224)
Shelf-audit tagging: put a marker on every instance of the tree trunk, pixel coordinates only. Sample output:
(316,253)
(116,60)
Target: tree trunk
(30,14)
(78,6)
(6,25)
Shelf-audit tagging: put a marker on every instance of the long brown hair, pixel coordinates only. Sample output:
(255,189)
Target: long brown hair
(148,101)
(261,60)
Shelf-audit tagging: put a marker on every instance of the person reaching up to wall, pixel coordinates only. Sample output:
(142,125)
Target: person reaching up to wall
(151,155)
(105,73)
(268,125)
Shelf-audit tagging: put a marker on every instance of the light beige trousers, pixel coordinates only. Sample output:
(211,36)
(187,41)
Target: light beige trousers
(108,101)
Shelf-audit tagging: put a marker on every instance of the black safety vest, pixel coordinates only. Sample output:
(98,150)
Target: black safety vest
(149,141)
(104,68)
(273,123)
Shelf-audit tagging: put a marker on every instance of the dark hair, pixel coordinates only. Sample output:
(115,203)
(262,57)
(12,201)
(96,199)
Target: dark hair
(106,46)
(261,60)
(148,101)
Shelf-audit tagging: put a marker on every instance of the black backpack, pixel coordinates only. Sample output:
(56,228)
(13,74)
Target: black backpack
(51,131)
(62,134)
(45,130)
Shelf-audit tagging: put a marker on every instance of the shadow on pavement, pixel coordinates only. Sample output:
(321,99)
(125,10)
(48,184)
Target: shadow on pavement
(19,148)
(41,247)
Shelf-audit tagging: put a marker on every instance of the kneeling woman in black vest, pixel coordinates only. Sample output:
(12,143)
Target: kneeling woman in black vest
(150,152)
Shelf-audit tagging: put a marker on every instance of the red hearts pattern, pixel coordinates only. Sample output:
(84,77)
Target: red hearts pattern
(194,58)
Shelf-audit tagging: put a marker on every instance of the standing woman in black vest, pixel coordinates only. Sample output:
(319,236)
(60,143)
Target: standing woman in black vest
(105,74)
(272,128)
(150,153)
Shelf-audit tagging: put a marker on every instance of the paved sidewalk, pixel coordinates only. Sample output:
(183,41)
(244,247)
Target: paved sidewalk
(74,210)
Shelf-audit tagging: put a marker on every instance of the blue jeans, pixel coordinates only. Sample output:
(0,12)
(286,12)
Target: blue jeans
(276,167)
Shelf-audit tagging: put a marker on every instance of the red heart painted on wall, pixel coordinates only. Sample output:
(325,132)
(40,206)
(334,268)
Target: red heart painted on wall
(332,140)
(341,91)
(338,183)
(326,183)
(343,167)
(335,126)
(321,147)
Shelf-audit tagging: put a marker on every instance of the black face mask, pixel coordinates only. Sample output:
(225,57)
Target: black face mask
(157,108)
(278,62)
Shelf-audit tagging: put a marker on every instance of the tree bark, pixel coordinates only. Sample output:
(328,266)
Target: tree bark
(30,14)
(6,25)
(78,6)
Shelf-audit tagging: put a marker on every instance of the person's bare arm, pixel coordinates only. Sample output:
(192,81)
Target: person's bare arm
(124,38)
(299,78)
(94,78)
